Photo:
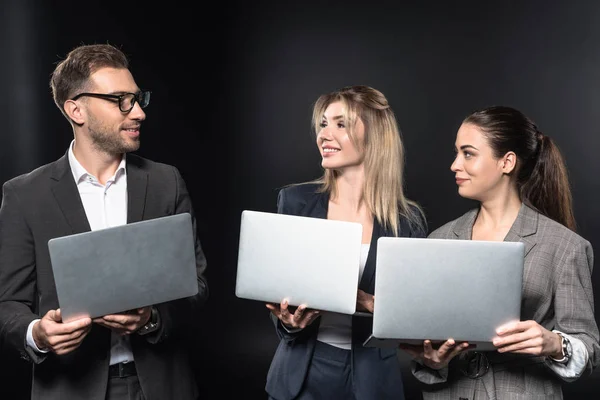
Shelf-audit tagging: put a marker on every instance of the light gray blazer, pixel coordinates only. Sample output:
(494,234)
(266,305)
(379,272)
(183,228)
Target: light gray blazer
(557,293)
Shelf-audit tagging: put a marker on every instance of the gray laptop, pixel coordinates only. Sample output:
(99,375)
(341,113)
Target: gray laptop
(126,267)
(444,288)
(310,261)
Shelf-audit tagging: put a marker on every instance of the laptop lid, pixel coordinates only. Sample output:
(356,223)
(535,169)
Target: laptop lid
(125,267)
(310,261)
(444,288)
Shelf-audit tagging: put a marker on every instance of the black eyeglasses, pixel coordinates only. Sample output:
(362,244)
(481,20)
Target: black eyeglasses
(126,100)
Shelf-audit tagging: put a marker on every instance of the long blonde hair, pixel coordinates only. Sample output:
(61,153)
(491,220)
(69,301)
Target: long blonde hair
(383,191)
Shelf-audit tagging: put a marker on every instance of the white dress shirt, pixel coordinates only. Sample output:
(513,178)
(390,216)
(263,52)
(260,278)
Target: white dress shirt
(105,207)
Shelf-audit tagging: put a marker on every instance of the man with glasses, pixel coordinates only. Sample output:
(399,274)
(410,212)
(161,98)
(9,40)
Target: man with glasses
(95,185)
(126,100)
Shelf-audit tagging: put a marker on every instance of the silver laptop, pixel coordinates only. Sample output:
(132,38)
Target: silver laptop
(310,261)
(445,288)
(125,267)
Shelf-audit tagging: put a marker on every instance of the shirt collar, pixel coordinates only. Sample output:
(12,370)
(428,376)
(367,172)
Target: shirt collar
(79,172)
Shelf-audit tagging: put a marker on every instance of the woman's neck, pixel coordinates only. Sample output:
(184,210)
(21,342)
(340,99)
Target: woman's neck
(496,217)
(349,191)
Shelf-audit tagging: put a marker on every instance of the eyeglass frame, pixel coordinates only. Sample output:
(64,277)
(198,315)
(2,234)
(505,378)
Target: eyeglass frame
(118,97)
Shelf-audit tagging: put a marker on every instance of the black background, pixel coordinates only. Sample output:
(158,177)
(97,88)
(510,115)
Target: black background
(233,84)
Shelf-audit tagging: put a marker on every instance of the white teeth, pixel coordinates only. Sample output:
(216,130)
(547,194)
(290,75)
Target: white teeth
(328,150)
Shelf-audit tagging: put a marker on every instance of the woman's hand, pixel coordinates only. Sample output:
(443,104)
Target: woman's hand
(528,337)
(293,319)
(432,357)
(365,301)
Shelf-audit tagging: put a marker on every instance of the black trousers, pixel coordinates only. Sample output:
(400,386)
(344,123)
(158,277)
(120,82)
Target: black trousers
(329,375)
(127,388)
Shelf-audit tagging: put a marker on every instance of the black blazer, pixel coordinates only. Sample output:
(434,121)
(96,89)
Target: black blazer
(45,204)
(376,372)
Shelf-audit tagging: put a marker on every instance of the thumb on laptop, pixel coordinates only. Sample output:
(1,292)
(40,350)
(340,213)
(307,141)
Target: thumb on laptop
(55,315)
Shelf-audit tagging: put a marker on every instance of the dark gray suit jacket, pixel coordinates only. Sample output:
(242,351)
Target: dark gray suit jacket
(376,372)
(557,293)
(45,204)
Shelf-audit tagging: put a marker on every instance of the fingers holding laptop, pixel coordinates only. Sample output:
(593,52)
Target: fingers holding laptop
(299,318)
(127,322)
(435,357)
(365,301)
(51,334)
(528,337)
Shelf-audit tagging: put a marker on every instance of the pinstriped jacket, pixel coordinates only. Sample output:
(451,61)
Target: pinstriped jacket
(557,293)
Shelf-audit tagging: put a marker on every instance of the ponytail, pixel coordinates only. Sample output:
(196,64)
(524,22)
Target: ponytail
(547,186)
(542,177)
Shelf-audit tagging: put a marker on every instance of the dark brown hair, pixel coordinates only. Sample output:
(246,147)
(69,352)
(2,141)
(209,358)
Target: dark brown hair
(541,172)
(72,74)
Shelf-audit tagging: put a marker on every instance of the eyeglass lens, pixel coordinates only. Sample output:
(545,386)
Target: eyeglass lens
(128,100)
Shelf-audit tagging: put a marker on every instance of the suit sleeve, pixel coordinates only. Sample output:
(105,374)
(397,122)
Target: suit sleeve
(17,274)
(182,314)
(281,205)
(574,301)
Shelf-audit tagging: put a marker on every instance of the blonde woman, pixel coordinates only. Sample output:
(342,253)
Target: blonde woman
(320,354)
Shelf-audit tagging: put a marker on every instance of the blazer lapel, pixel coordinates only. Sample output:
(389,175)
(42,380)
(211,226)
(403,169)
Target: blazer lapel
(317,207)
(137,183)
(67,196)
(524,228)
(463,229)
(367,281)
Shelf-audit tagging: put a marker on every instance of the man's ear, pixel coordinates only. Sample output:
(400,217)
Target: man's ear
(508,163)
(74,111)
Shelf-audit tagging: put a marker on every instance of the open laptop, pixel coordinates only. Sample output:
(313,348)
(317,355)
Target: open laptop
(307,260)
(445,288)
(125,267)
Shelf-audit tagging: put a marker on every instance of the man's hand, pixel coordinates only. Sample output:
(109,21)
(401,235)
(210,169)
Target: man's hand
(125,323)
(51,334)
